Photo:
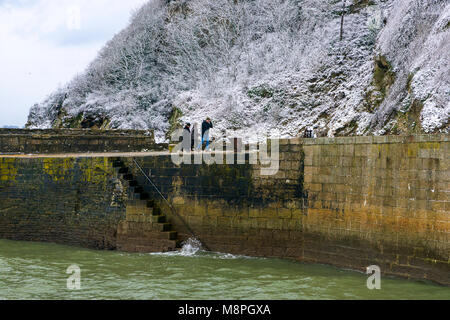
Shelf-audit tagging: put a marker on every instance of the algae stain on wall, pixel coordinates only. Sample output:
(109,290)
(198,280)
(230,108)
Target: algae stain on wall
(96,170)
(8,169)
(93,170)
(58,169)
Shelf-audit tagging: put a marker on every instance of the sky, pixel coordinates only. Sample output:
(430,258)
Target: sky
(45,43)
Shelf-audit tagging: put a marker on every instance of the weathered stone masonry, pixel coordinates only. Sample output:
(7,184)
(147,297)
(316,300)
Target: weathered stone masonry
(386,198)
(61,200)
(75,140)
(351,202)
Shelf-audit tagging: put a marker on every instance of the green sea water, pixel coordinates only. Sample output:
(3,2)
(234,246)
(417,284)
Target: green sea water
(38,271)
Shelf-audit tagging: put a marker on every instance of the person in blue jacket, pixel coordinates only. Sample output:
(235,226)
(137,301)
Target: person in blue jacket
(206,126)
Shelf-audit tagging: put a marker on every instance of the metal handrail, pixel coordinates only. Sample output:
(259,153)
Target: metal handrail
(170,206)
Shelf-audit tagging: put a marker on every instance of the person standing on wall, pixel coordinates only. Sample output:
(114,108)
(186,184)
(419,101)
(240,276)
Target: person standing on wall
(187,137)
(194,135)
(206,126)
(309,134)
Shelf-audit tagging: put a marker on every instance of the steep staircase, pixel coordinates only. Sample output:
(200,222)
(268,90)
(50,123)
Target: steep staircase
(146,228)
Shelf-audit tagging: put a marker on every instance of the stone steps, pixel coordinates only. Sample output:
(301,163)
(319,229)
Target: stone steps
(146,231)
(159,219)
(146,228)
(139,226)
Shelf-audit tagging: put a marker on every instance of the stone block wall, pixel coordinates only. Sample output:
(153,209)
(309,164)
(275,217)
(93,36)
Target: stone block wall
(351,202)
(386,199)
(14,141)
(231,208)
(61,200)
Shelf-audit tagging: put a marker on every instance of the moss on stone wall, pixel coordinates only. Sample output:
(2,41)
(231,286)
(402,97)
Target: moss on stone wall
(92,170)
(59,200)
(8,169)
(174,121)
(383,78)
(58,169)
(97,171)
(408,122)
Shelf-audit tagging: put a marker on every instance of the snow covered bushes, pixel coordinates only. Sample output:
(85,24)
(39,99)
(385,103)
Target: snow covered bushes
(255,66)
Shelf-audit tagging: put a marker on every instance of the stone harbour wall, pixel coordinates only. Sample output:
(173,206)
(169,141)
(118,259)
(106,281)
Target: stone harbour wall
(61,200)
(19,141)
(351,202)
(386,199)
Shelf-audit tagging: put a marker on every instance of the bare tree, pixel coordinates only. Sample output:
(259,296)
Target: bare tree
(342,20)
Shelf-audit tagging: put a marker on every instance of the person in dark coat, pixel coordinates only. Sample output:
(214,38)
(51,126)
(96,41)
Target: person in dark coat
(187,137)
(193,133)
(206,126)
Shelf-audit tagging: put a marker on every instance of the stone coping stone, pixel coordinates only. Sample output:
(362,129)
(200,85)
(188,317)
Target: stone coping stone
(441,137)
(75,132)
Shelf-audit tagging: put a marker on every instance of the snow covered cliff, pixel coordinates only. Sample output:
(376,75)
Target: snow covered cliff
(271,67)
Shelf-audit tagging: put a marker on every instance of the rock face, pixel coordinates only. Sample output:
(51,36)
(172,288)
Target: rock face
(271,67)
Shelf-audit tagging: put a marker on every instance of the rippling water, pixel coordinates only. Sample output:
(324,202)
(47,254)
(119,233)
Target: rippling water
(38,271)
